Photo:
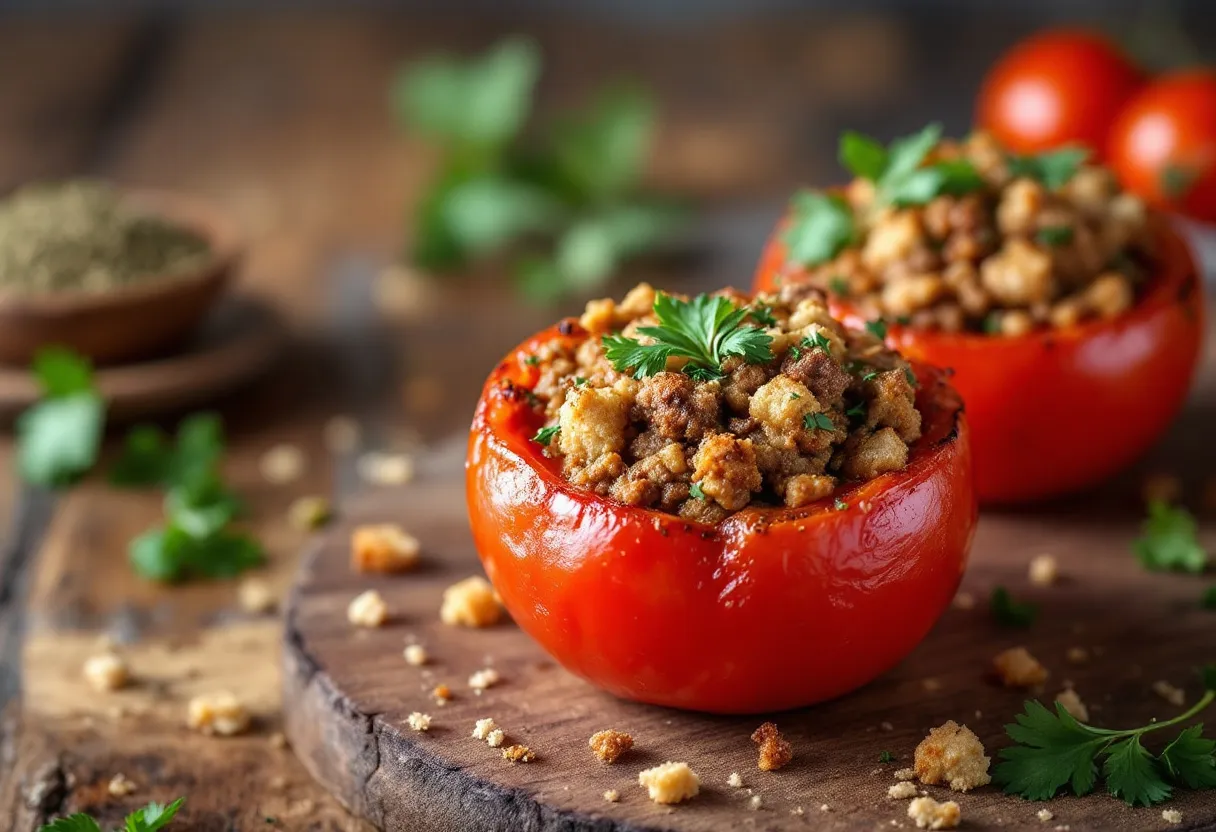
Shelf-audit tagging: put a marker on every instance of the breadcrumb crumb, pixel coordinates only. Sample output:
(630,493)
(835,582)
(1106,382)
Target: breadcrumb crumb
(612,796)
(902,791)
(775,750)
(487,677)
(106,672)
(416,655)
(905,774)
(670,782)
(754,802)
(470,603)
(518,754)
(219,714)
(952,754)
(1171,816)
(1016,668)
(609,745)
(121,786)
(384,547)
(442,694)
(1175,696)
(385,469)
(734,781)
(419,721)
(367,610)
(931,685)
(1044,815)
(483,728)
(1071,702)
(277,740)
(308,512)
(495,738)
(282,464)
(1077,655)
(929,814)
(1044,570)
(964,601)
(255,596)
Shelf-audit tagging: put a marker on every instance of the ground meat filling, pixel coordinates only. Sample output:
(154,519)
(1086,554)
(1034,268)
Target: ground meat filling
(1013,256)
(830,405)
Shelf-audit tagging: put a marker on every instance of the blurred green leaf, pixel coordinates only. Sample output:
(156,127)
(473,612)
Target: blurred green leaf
(602,152)
(484,214)
(59,439)
(61,372)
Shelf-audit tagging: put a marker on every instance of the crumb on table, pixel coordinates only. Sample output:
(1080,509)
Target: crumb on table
(470,603)
(518,754)
(368,609)
(485,678)
(483,727)
(1071,702)
(902,790)
(952,754)
(609,745)
(106,672)
(1175,696)
(383,547)
(1044,570)
(929,814)
(220,714)
(255,596)
(416,655)
(1016,668)
(670,782)
(419,721)
(775,750)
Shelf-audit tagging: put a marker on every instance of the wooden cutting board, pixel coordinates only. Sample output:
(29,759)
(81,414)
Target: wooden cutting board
(348,692)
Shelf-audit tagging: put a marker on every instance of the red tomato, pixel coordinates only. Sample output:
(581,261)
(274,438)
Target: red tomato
(770,609)
(1163,145)
(1057,410)
(1054,88)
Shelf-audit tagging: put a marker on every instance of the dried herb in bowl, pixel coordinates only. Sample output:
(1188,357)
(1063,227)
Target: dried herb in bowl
(85,236)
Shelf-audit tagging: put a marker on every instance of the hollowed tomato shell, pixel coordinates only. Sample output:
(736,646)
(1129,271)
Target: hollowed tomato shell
(1058,410)
(772,608)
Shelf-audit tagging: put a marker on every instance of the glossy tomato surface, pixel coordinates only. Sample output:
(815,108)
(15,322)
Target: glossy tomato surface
(1055,88)
(1057,410)
(770,609)
(1163,145)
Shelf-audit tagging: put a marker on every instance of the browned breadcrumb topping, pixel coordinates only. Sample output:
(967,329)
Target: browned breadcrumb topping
(610,745)
(952,755)
(775,750)
(518,754)
(1008,258)
(834,404)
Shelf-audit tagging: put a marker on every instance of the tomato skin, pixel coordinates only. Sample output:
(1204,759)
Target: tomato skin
(1058,87)
(770,609)
(1170,123)
(1059,410)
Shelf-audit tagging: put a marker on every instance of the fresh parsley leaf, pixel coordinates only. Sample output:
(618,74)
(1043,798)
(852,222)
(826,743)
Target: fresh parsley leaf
(886,757)
(1176,181)
(1189,759)
(870,375)
(202,507)
(59,439)
(706,330)
(1208,601)
(146,458)
(1131,774)
(817,340)
(911,378)
(579,381)
(1053,168)
(488,212)
(600,153)
(862,156)
(794,396)
(838,286)
(545,435)
(899,172)
(695,491)
(857,411)
(1168,540)
(1007,612)
(151,818)
(820,421)
(79,822)
(170,553)
(821,225)
(762,314)
(877,328)
(1054,235)
(1053,751)
(61,372)
(840,505)
(532,360)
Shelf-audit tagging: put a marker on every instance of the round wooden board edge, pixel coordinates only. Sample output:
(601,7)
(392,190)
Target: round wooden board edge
(381,775)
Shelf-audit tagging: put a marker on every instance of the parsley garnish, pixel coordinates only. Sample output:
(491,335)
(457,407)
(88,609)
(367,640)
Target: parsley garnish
(992,323)
(1007,612)
(695,491)
(899,172)
(1054,235)
(1177,181)
(580,381)
(857,411)
(877,328)
(1052,169)
(762,314)
(821,225)
(839,286)
(59,438)
(1055,751)
(886,757)
(706,330)
(840,504)
(869,375)
(911,377)
(1208,601)
(822,421)
(795,396)
(817,340)
(545,435)
(1168,540)
(532,360)
(151,818)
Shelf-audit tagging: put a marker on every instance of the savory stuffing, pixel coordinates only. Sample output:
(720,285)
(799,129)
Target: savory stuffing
(929,814)
(609,745)
(1016,668)
(964,236)
(953,755)
(781,406)
(775,750)
(670,782)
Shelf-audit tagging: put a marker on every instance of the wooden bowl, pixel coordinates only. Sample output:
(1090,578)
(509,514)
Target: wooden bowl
(130,323)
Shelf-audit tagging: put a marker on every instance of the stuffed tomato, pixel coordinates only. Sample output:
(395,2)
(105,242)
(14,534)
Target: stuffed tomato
(1070,316)
(720,504)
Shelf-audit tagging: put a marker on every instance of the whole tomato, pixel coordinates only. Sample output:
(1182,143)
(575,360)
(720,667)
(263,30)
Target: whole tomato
(1055,88)
(1163,145)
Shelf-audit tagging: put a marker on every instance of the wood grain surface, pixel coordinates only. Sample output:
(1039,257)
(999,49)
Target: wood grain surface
(348,692)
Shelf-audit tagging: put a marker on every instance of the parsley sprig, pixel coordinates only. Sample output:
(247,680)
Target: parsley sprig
(1054,752)
(1052,168)
(899,171)
(820,227)
(1169,540)
(59,438)
(1008,612)
(150,818)
(706,331)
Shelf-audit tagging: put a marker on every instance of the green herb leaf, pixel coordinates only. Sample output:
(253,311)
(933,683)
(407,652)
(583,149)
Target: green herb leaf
(1053,168)
(910,376)
(1053,751)
(886,757)
(820,421)
(877,328)
(1189,759)
(481,101)
(817,340)
(171,553)
(601,153)
(1208,601)
(61,372)
(59,439)
(545,435)
(79,822)
(899,173)
(762,314)
(1131,774)
(202,507)
(146,458)
(1007,612)
(838,286)
(840,505)
(694,491)
(1176,181)
(1054,235)
(153,816)
(857,411)
(1168,540)
(486,213)
(821,225)
(862,156)
(706,330)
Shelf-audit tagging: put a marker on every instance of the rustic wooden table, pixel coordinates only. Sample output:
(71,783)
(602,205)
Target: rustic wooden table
(283,121)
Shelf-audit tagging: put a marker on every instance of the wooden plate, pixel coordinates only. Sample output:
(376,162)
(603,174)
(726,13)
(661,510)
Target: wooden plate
(348,692)
(237,343)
